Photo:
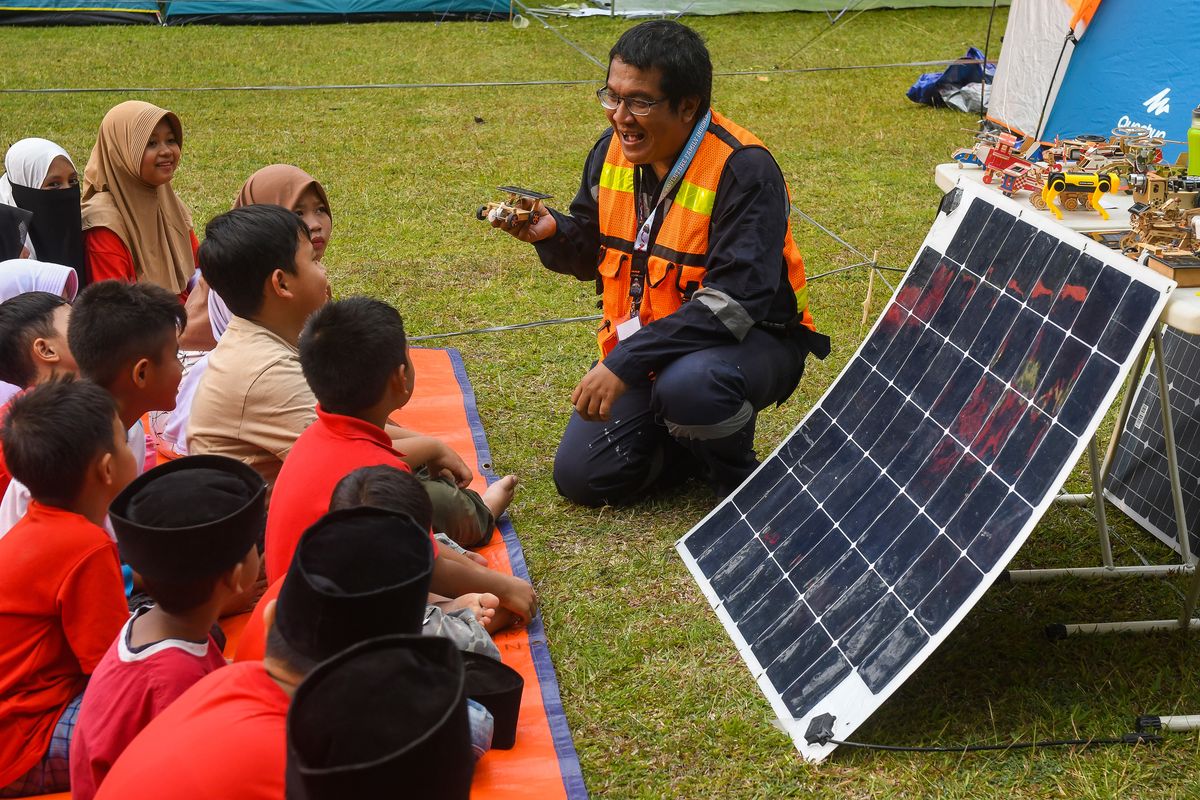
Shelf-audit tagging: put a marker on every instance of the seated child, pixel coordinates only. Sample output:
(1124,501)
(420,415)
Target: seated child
(135,228)
(383,714)
(357,575)
(40,178)
(466,620)
(61,596)
(124,338)
(190,529)
(278,184)
(356,395)
(20,276)
(33,346)
(254,401)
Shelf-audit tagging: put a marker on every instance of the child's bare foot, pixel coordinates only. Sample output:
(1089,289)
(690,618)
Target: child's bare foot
(482,604)
(500,494)
(503,620)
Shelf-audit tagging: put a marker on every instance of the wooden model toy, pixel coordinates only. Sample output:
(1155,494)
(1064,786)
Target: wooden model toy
(509,208)
(1167,236)
(1157,187)
(977,153)
(1166,230)
(1076,186)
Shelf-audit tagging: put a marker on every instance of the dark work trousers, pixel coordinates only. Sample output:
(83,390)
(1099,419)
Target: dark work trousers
(695,418)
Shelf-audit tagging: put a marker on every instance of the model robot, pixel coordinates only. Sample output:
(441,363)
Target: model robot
(510,209)
(1165,231)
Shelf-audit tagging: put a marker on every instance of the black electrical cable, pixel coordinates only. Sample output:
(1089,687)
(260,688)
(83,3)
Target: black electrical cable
(1127,739)
(1068,39)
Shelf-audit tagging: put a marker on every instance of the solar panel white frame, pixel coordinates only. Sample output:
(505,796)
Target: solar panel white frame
(851,701)
(1137,479)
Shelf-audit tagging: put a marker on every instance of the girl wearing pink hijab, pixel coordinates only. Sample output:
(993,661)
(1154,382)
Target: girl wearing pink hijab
(278,184)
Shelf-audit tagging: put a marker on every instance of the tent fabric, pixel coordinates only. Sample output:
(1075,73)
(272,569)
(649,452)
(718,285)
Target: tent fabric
(1147,80)
(1025,74)
(78,12)
(646,8)
(299,11)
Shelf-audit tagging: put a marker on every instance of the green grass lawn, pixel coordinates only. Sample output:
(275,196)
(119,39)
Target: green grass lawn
(658,701)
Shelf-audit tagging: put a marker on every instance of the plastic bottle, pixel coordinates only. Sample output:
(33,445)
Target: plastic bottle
(1193,140)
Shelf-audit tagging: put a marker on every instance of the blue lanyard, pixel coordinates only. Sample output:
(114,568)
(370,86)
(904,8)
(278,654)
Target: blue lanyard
(642,242)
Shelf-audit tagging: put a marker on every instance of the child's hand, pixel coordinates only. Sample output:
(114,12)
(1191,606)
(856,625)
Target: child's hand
(520,598)
(448,461)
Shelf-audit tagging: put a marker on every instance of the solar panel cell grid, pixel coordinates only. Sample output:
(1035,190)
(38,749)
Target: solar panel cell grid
(1137,479)
(850,553)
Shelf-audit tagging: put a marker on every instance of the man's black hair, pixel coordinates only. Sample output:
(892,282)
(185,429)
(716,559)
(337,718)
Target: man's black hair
(384,487)
(242,248)
(23,319)
(52,434)
(180,597)
(114,325)
(348,351)
(676,51)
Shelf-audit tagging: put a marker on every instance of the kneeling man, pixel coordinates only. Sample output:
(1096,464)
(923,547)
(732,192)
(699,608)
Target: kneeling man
(682,220)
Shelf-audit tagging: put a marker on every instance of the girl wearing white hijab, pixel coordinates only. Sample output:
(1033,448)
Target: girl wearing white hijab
(21,275)
(40,177)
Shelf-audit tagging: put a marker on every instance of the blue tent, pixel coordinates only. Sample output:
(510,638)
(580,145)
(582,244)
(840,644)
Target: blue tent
(1136,67)
(1127,64)
(240,12)
(78,12)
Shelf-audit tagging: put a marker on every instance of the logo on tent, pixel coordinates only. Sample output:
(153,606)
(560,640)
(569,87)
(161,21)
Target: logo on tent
(1159,103)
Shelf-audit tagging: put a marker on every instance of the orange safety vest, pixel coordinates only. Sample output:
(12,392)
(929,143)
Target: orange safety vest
(675,261)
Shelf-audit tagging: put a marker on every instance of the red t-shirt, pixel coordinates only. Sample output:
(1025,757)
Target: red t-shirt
(5,475)
(128,689)
(109,259)
(62,602)
(253,644)
(223,739)
(328,450)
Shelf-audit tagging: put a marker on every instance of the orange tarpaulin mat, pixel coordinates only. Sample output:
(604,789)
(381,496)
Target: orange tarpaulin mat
(543,764)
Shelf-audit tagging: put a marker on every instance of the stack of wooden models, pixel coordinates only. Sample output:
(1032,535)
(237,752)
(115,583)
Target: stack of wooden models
(1167,234)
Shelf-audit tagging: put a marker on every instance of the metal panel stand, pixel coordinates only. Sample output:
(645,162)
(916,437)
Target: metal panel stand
(1185,620)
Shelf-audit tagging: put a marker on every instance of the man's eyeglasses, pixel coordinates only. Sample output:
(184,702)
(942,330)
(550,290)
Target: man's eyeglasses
(634,105)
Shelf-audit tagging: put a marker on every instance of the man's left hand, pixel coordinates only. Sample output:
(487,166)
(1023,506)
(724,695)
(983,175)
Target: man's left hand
(594,396)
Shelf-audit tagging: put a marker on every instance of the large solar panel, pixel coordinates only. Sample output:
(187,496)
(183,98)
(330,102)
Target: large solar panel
(860,543)
(1137,478)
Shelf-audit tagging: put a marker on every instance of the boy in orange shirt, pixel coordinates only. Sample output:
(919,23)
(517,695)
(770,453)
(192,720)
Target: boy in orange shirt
(62,599)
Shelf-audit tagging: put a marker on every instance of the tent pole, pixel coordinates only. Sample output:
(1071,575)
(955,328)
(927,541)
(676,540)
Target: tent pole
(987,45)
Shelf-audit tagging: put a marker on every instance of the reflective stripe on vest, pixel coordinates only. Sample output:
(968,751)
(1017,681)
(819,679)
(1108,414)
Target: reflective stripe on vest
(675,263)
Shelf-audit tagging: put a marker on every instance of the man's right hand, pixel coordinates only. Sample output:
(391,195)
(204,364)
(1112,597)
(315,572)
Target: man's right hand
(544,228)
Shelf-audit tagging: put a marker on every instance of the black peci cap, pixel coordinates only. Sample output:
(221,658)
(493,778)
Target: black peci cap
(357,574)
(384,718)
(498,688)
(190,518)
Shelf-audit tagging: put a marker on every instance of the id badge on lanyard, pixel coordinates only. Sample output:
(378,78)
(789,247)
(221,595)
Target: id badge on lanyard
(641,242)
